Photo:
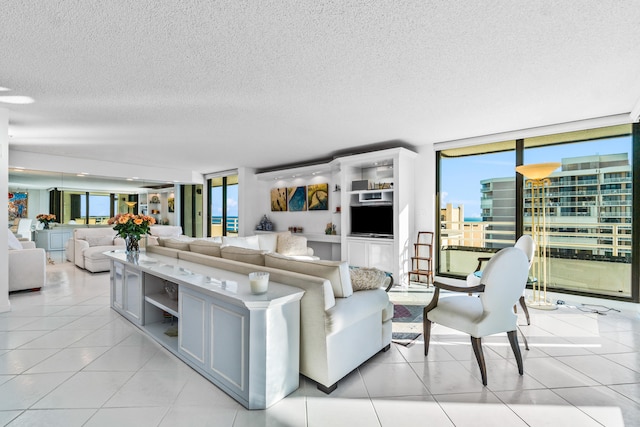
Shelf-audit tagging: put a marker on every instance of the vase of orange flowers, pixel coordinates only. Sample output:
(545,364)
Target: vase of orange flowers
(45,219)
(131,228)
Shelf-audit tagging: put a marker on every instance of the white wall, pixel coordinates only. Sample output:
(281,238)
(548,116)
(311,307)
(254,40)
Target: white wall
(4,189)
(425,189)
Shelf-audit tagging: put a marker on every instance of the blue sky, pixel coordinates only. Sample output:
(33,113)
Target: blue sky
(460,177)
(232,201)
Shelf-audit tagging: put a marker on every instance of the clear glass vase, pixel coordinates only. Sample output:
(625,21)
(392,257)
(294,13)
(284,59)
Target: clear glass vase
(132,244)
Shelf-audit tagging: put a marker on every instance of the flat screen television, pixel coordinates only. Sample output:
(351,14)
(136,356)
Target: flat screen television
(372,220)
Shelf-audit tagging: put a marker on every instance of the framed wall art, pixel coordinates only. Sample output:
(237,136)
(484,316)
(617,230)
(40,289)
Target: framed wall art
(318,197)
(278,199)
(297,197)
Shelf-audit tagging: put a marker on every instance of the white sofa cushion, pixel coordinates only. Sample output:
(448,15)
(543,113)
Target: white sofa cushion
(337,272)
(177,243)
(249,242)
(237,253)
(269,241)
(206,247)
(291,245)
(165,230)
(14,243)
(99,240)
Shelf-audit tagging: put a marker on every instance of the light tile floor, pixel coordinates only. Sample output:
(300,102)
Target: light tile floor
(67,360)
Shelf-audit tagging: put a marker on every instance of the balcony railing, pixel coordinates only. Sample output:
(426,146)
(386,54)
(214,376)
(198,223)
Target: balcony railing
(586,258)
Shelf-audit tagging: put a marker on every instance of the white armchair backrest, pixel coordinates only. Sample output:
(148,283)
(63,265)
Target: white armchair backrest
(504,277)
(526,244)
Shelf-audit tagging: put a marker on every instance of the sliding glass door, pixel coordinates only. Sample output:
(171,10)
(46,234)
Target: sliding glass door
(485,205)
(223,198)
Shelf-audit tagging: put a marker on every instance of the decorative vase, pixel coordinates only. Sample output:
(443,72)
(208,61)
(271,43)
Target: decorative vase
(132,244)
(46,226)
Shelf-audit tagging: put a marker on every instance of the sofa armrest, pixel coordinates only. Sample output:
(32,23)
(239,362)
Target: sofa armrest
(28,244)
(27,269)
(79,246)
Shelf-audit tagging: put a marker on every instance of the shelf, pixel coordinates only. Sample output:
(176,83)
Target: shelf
(163,302)
(158,329)
(382,190)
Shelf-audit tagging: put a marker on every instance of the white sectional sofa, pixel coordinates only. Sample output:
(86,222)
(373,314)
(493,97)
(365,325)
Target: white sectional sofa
(339,328)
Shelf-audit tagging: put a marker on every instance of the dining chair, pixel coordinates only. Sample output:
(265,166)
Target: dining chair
(527,245)
(502,283)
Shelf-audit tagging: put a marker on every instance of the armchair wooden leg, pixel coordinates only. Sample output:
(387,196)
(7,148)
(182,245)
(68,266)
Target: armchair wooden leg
(513,340)
(523,304)
(476,343)
(426,333)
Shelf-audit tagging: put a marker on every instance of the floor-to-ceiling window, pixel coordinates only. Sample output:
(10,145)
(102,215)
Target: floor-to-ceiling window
(82,207)
(223,205)
(477,213)
(588,207)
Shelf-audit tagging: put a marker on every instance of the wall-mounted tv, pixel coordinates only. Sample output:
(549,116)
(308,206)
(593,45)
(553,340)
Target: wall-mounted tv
(372,220)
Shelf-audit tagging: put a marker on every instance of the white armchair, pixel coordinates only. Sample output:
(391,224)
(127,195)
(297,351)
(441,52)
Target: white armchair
(526,244)
(27,265)
(502,283)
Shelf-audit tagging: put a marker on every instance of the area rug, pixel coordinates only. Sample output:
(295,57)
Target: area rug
(406,324)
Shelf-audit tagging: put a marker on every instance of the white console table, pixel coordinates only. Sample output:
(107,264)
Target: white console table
(54,239)
(246,344)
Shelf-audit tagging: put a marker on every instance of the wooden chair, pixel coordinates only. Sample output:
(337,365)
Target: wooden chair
(422,261)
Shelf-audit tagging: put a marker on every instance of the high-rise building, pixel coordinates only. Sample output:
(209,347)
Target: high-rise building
(588,206)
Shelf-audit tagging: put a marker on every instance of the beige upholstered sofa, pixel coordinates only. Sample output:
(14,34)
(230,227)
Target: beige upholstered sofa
(89,245)
(27,265)
(250,248)
(340,328)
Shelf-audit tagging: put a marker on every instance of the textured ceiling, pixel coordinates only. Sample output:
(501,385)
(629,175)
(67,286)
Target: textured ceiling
(210,85)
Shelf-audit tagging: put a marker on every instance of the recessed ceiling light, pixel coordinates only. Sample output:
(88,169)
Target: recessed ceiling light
(129,179)
(4,89)
(16,99)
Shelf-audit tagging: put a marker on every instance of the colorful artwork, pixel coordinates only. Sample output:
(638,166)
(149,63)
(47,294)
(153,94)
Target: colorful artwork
(278,199)
(318,197)
(297,197)
(171,202)
(18,206)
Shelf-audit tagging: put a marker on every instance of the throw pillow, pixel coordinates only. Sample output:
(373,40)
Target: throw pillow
(14,243)
(290,245)
(363,279)
(269,241)
(99,240)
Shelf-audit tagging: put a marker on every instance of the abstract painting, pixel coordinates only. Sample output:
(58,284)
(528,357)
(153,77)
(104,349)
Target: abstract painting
(278,199)
(318,197)
(18,203)
(297,199)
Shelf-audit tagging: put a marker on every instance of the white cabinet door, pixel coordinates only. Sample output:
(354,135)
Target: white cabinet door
(380,255)
(192,327)
(117,286)
(371,253)
(357,253)
(229,342)
(133,294)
